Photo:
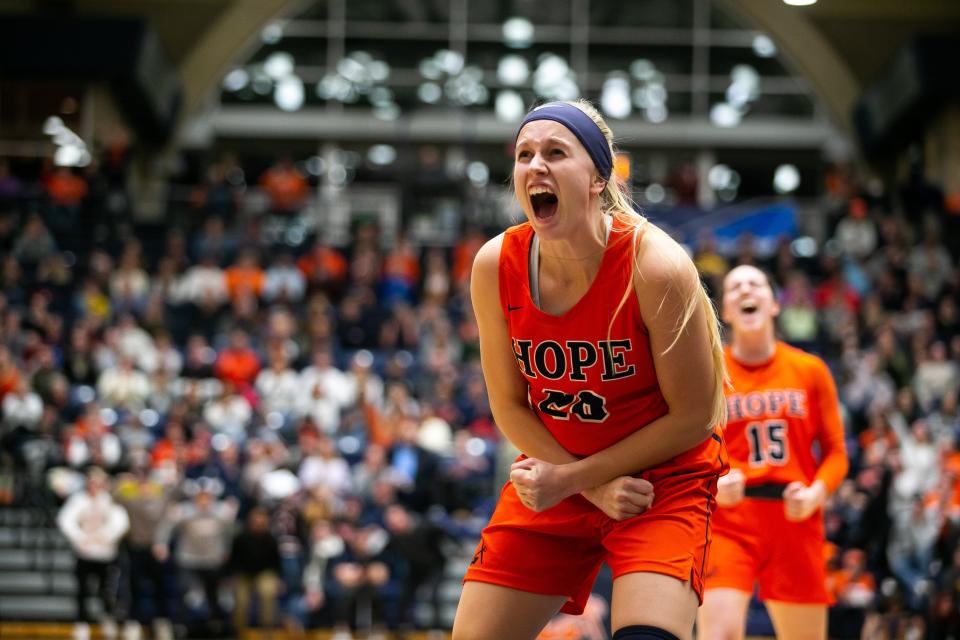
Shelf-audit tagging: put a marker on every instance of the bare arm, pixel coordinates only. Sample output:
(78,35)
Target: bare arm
(506,387)
(685,372)
(622,496)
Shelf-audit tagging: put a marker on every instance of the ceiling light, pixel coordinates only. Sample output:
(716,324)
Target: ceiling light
(513,70)
(800,3)
(478,173)
(724,115)
(429,92)
(271,33)
(517,33)
(236,80)
(278,65)
(509,106)
(763,46)
(289,94)
(615,97)
(656,113)
(786,178)
(655,193)
(381,155)
(642,69)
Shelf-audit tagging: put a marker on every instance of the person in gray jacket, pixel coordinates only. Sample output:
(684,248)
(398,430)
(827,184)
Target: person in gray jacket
(203,528)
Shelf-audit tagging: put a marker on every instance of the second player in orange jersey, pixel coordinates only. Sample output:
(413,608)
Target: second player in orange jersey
(768,531)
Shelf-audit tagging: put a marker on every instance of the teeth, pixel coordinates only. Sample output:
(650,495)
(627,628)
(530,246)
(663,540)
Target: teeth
(540,189)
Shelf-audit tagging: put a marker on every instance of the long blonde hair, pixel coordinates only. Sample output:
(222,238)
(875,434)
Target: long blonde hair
(615,201)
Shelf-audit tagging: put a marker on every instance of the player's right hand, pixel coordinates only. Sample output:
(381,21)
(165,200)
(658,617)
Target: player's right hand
(622,497)
(731,488)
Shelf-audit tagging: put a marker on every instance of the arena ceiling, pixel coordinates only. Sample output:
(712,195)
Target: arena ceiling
(834,47)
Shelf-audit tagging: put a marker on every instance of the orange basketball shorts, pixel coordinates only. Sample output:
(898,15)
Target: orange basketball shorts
(559,551)
(755,544)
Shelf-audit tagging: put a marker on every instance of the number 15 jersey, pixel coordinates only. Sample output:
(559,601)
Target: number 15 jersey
(776,411)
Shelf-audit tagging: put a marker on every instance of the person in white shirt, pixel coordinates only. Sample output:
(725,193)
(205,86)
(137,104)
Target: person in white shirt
(322,465)
(278,385)
(94,525)
(123,386)
(324,391)
(22,409)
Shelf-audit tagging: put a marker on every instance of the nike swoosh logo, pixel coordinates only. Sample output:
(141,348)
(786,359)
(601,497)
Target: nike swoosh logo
(509,308)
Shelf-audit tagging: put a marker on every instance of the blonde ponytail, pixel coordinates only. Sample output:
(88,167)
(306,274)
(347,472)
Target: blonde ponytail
(615,201)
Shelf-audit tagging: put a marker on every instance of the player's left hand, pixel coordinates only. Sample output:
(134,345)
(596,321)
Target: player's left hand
(539,484)
(801,501)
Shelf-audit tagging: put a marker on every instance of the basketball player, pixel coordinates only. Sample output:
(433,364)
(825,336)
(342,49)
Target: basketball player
(768,530)
(602,358)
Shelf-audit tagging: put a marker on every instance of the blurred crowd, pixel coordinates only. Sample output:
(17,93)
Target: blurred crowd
(257,432)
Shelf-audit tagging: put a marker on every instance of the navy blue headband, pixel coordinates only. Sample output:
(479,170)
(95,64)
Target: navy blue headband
(582,126)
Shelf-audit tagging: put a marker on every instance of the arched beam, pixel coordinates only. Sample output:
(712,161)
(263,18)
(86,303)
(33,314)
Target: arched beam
(230,38)
(803,46)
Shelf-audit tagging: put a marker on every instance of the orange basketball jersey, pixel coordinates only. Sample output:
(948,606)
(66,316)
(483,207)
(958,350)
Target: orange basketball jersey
(591,382)
(776,411)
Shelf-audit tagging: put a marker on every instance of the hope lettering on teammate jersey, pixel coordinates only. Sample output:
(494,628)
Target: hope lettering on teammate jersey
(573,359)
(769,403)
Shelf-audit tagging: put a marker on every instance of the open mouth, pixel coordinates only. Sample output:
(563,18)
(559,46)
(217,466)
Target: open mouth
(748,309)
(544,204)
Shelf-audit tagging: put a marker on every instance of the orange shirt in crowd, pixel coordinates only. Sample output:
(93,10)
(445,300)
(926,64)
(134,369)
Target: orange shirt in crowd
(8,381)
(237,366)
(403,265)
(463,255)
(286,187)
(65,188)
(323,264)
(243,279)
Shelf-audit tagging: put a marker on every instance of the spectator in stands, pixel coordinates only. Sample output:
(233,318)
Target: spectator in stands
(146,501)
(91,441)
(365,385)
(204,284)
(278,385)
(414,468)
(415,552)
(856,233)
(910,549)
(255,565)
(238,363)
(853,591)
(66,191)
(229,413)
(94,525)
(325,269)
(935,377)
(34,244)
(322,465)
(283,282)
(22,410)
(286,186)
(324,545)
(129,283)
(798,316)
(124,386)
(244,277)
(359,578)
(930,263)
(400,274)
(202,529)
